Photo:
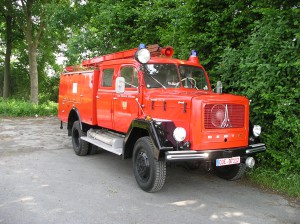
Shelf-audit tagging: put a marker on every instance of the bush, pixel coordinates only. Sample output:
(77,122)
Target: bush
(266,69)
(19,108)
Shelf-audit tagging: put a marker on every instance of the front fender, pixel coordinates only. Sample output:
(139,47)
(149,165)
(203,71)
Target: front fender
(140,128)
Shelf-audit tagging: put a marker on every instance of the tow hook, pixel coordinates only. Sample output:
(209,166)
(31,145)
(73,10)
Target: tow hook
(208,166)
(250,162)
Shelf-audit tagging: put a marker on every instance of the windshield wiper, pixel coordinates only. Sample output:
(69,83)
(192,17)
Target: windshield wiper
(156,81)
(147,73)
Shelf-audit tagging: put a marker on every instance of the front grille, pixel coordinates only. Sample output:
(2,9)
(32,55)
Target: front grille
(224,116)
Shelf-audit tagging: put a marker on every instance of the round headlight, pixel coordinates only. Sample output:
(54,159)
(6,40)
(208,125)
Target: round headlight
(179,134)
(250,162)
(142,55)
(256,130)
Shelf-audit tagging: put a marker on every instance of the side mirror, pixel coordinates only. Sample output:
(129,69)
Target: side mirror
(219,87)
(120,85)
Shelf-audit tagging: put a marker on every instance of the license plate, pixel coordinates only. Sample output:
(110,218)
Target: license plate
(228,161)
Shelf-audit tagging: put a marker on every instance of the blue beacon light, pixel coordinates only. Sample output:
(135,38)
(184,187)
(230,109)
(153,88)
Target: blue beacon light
(142,46)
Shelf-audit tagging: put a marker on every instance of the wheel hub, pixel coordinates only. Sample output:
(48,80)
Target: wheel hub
(142,166)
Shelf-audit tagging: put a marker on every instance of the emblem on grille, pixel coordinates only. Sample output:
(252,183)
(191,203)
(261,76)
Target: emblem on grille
(226,122)
(220,116)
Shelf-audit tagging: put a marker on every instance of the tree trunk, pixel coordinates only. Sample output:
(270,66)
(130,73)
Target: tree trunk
(33,34)
(32,42)
(34,81)
(6,85)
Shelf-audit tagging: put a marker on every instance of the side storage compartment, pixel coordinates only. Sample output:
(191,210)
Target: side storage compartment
(77,90)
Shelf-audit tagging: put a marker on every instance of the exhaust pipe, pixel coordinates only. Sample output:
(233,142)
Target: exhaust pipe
(250,162)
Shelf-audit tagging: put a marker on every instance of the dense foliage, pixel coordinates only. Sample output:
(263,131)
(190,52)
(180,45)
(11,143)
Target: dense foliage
(266,69)
(251,45)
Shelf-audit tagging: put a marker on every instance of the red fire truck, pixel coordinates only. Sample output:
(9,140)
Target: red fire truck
(145,105)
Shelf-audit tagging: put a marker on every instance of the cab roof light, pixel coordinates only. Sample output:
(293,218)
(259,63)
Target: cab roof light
(194,57)
(142,46)
(193,53)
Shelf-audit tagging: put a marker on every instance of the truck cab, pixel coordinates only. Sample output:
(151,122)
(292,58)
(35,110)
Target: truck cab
(145,105)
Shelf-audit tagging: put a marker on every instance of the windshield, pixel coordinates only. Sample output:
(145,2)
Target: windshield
(193,77)
(161,76)
(166,76)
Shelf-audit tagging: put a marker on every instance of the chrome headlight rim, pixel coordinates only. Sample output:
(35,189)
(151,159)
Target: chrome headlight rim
(143,55)
(256,130)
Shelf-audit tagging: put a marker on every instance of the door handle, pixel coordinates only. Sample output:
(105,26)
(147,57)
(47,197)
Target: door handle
(115,98)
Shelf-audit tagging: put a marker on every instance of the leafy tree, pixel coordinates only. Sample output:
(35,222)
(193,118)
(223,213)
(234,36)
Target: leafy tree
(7,13)
(40,44)
(12,38)
(33,16)
(110,26)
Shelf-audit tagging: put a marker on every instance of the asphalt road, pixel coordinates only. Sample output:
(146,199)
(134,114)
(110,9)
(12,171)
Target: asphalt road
(43,181)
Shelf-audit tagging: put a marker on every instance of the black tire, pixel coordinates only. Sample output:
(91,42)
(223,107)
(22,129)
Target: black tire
(149,173)
(93,149)
(231,172)
(80,147)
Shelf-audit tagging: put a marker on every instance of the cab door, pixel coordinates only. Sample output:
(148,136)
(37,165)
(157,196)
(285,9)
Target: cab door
(125,106)
(104,98)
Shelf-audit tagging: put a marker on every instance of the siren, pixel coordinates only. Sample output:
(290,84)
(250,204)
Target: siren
(69,69)
(167,51)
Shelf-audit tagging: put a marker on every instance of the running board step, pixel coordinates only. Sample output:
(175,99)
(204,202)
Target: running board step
(106,140)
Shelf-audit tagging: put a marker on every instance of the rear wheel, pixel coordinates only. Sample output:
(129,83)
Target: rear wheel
(149,173)
(80,147)
(231,172)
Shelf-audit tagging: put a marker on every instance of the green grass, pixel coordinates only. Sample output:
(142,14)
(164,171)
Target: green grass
(19,108)
(286,184)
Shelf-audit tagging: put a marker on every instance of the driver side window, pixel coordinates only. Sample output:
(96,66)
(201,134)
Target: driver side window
(130,75)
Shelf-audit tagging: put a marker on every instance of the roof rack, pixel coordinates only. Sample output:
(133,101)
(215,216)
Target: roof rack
(155,51)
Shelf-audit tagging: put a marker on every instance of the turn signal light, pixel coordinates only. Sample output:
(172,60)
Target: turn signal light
(148,118)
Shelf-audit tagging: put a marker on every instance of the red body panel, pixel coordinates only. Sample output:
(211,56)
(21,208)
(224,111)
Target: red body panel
(77,90)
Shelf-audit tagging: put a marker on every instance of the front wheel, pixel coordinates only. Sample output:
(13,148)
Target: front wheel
(80,147)
(231,172)
(149,173)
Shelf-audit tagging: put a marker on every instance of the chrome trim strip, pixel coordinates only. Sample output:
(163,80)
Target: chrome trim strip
(185,155)
(256,148)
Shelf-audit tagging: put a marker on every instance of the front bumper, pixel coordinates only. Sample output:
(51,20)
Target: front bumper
(208,155)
